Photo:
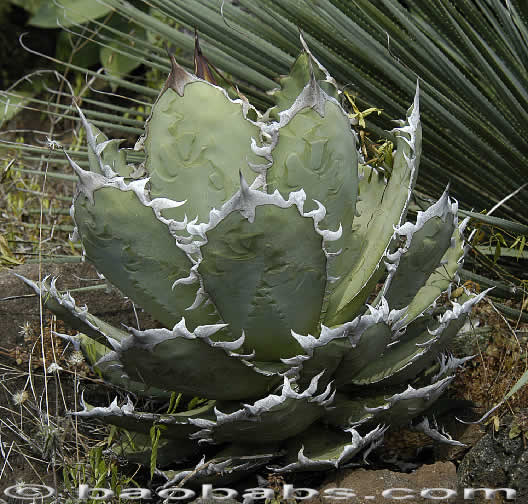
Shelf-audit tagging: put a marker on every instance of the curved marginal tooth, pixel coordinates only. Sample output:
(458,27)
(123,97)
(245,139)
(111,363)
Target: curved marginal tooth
(201,296)
(463,225)
(190,279)
(309,392)
(448,364)
(244,187)
(306,342)
(318,214)
(325,397)
(329,236)
(205,331)
(264,151)
(229,345)
(295,361)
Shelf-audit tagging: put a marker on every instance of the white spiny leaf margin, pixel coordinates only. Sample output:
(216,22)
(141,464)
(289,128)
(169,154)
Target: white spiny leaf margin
(430,393)
(148,339)
(127,410)
(410,127)
(312,96)
(245,200)
(101,411)
(207,471)
(253,412)
(448,316)
(358,444)
(442,209)
(466,247)
(352,330)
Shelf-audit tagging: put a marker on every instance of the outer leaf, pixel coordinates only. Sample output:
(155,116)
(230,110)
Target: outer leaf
(321,448)
(96,355)
(417,348)
(262,282)
(389,407)
(269,419)
(187,140)
(227,466)
(382,205)
(176,425)
(140,257)
(439,281)
(426,244)
(192,363)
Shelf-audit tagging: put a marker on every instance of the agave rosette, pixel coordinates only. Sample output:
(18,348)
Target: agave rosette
(257,240)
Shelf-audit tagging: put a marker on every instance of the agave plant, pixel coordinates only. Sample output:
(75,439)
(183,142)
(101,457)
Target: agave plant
(297,300)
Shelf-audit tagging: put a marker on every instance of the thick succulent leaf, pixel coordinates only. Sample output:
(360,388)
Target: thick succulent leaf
(125,237)
(370,343)
(227,466)
(176,425)
(266,277)
(64,307)
(192,363)
(417,348)
(276,232)
(349,347)
(440,281)
(269,419)
(140,257)
(382,205)
(321,448)
(401,408)
(376,408)
(313,148)
(426,243)
(187,141)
